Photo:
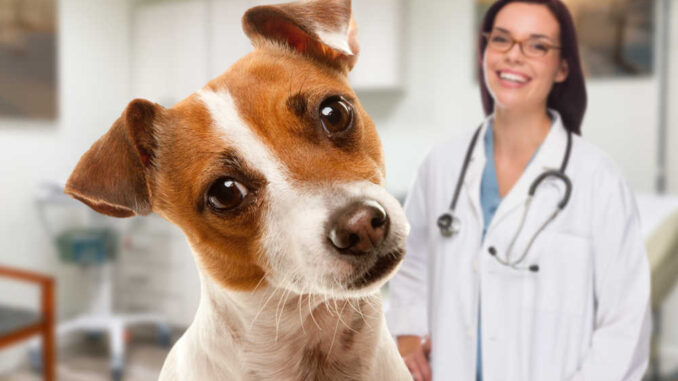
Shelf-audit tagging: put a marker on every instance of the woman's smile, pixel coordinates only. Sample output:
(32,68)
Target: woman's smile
(512,79)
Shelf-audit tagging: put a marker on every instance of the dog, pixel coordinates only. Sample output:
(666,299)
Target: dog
(274,172)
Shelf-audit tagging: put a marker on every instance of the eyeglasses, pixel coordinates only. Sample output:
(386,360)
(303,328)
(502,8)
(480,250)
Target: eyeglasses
(534,47)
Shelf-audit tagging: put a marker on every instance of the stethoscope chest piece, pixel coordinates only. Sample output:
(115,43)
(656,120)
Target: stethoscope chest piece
(449,224)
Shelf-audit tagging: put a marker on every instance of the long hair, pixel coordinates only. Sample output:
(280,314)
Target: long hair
(568,97)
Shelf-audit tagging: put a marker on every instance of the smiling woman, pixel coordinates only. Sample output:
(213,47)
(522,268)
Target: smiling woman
(540,271)
(556,57)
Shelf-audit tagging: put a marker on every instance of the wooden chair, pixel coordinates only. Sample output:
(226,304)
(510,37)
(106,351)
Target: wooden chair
(17,325)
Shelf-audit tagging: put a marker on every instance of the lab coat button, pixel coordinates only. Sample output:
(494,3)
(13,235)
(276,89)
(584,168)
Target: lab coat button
(469,332)
(492,250)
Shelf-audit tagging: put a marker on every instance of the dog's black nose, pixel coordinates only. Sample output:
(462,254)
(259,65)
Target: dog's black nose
(359,228)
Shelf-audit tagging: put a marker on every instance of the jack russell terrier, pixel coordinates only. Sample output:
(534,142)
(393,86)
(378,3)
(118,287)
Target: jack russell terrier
(275,174)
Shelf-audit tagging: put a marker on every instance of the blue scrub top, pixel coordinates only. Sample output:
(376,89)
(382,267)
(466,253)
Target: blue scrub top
(489,202)
(489,187)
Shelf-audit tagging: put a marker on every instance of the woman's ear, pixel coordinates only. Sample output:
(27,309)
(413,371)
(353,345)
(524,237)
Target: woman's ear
(563,71)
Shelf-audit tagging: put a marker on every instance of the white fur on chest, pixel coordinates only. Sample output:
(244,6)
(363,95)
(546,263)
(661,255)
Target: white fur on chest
(288,338)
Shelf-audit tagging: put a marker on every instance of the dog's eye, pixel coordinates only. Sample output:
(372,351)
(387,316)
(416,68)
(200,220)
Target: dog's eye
(226,194)
(336,115)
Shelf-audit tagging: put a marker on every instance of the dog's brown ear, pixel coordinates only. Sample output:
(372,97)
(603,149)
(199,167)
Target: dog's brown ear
(323,29)
(111,177)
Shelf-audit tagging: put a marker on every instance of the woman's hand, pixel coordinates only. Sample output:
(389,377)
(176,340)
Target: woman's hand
(415,351)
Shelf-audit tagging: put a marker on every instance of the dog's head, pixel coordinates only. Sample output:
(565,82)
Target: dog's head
(273,170)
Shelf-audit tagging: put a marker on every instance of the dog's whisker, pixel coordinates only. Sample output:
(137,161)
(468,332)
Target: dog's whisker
(356,309)
(368,301)
(342,320)
(334,337)
(282,310)
(326,303)
(301,320)
(277,316)
(259,283)
(310,310)
(324,296)
(359,311)
(275,290)
(336,308)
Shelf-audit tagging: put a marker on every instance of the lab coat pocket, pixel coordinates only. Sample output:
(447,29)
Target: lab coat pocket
(564,282)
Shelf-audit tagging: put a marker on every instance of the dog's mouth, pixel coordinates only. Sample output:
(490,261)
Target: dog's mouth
(381,268)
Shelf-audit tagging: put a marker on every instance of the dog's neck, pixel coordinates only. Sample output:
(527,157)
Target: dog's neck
(272,333)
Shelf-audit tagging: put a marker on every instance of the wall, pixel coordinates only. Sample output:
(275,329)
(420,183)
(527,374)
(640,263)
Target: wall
(669,342)
(93,90)
(673,101)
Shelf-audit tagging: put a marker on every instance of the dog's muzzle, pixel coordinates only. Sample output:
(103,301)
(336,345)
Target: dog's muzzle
(359,234)
(359,229)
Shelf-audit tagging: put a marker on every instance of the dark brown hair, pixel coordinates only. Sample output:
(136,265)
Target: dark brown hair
(568,97)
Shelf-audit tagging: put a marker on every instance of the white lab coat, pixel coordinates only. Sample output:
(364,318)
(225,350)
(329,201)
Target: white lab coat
(583,316)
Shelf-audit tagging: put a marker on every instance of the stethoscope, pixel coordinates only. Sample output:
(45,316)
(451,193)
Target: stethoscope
(450,224)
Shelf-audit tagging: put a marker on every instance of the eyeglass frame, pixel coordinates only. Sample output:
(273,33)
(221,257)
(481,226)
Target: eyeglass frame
(514,41)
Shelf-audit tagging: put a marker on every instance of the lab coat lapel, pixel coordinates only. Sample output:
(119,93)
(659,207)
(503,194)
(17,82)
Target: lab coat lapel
(549,157)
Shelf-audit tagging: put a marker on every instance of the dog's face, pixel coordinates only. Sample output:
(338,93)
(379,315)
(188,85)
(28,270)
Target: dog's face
(273,170)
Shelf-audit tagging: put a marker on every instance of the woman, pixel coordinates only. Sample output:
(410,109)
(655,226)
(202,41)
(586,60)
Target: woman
(523,290)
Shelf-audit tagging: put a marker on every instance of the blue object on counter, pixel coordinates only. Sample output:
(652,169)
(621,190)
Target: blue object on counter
(87,246)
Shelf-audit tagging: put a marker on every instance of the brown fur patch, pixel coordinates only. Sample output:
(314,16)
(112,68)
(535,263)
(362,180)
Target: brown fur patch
(262,84)
(190,156)
(298,104)
(348,335)
(316,366)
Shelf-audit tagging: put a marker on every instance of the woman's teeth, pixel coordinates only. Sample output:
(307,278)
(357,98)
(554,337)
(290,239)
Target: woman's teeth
(512,77)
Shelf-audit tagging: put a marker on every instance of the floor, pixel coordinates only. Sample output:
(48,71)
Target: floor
(87,360)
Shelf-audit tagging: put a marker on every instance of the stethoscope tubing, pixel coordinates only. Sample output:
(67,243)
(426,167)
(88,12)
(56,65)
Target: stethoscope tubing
(449,224)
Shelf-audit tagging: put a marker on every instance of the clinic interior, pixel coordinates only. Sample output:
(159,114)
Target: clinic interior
(68,68)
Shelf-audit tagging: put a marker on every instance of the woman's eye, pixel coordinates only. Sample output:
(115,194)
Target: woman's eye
(539,46)
(226,194)
(499,39)
(336,115)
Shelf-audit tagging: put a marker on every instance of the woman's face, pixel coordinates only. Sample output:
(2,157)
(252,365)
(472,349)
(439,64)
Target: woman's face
(515,80)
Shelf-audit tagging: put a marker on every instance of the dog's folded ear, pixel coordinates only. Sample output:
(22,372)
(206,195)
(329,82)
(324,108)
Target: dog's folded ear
(111,177)
(322,29)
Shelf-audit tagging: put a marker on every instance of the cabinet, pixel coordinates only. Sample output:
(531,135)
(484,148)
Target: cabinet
(169,50)
(178,45)
(380,33)
(227,40)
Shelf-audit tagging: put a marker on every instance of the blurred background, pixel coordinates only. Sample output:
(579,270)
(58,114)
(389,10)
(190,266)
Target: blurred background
(114,294)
